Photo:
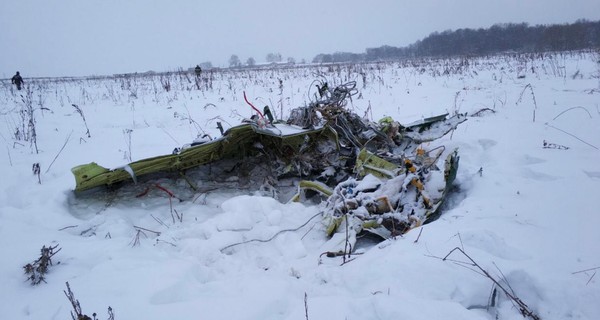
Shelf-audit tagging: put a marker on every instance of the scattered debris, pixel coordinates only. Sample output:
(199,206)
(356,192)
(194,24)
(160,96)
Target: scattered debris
(388,203)
(372,177)
(36,171)
(549,145)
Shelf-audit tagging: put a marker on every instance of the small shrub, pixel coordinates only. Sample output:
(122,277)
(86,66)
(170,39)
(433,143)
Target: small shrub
(77,314)
(36,271)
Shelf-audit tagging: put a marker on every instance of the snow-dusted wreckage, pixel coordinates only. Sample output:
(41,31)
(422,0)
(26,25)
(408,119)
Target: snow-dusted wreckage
(369,177)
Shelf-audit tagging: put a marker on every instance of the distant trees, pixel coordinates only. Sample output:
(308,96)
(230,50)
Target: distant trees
(206,65)
(234,61)
(384,53)
(507,37)
(250,62)
(322,58)
(346,56)
(339,57)
(512,37)
(274,57)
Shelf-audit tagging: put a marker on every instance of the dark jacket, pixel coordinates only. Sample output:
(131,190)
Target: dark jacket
(16,79)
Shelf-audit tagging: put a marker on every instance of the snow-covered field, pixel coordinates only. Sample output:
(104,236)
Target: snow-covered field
(526,214)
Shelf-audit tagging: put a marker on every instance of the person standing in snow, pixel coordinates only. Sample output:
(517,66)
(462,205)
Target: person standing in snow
(17,80)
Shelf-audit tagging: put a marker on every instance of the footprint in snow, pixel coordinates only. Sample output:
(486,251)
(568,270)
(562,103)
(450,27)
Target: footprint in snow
(538,176)
(494,244)
(529,160)
(486,144)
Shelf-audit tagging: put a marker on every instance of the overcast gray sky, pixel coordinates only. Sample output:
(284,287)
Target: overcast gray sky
(84,37)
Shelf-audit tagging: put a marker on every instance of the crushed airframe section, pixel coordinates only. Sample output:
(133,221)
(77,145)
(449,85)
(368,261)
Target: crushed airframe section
(240,142)
(370,177)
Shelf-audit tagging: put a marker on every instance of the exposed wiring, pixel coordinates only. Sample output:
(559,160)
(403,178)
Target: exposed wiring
(273,237)
(253,107)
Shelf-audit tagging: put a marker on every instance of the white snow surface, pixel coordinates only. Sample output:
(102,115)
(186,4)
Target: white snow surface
(528,215)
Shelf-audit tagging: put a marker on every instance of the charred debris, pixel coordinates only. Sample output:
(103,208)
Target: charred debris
(378,177)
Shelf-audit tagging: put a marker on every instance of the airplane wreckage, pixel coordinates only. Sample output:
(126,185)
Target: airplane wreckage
(369,177)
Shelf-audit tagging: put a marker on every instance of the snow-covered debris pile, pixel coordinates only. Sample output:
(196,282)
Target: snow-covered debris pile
(383,179)
(391,203)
